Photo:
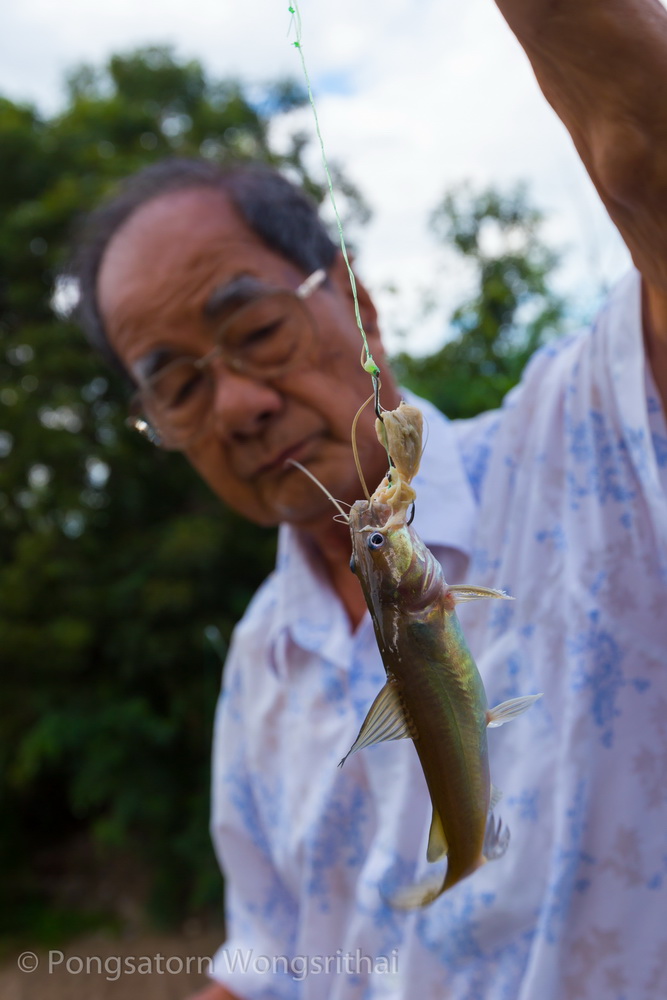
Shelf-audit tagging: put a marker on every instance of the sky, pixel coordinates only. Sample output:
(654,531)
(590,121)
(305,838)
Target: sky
(413,96)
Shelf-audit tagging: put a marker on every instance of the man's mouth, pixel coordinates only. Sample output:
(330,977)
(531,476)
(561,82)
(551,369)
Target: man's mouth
(278,462)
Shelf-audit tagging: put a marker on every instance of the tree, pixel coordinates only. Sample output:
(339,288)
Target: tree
(512,309)
(121,577)
(117,593)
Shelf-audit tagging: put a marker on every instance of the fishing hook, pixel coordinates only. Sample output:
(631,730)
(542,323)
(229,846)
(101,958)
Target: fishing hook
(376,391)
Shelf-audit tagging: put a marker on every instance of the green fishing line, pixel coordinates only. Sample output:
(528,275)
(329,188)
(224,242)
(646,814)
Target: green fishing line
(369,364)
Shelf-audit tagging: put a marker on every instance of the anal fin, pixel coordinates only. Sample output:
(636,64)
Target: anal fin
(437,842)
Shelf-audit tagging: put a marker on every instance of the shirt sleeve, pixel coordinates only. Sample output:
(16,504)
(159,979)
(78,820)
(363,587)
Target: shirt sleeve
(261,913)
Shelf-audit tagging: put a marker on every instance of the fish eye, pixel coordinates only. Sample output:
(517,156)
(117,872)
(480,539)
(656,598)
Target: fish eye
(376,540)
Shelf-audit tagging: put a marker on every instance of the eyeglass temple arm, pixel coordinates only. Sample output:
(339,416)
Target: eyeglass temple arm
(312,282)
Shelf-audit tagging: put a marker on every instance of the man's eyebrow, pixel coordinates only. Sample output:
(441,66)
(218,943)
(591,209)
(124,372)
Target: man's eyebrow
(152,363)
(233,294)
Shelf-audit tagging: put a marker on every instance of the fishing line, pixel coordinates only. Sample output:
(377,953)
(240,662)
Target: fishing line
(355,451)
(336,503)
(369,364)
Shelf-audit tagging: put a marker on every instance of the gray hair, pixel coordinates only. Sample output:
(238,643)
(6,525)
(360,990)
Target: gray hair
(280,213)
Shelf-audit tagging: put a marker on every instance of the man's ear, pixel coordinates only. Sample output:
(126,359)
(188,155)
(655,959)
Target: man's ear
(339,274)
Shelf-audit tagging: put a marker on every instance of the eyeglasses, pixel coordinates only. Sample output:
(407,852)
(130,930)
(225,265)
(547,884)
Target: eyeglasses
(266,337)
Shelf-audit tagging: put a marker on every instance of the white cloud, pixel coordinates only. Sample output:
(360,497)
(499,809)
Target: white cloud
(417,96)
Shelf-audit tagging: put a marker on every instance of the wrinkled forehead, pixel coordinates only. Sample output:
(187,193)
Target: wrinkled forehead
(173,250)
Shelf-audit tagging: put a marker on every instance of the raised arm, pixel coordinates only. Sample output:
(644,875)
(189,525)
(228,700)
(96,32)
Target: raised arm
(602,65)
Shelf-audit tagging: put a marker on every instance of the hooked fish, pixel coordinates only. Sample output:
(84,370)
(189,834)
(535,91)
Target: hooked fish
(434,693)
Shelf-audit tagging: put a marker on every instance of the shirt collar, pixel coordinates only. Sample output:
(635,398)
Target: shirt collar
(307,611)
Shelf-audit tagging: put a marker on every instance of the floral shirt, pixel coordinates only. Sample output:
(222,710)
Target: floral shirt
(558,498)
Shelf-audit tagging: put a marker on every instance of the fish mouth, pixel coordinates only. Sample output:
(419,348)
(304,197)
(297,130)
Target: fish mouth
(370,515)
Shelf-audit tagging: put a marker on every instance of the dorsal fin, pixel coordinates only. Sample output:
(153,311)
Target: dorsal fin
(509,710)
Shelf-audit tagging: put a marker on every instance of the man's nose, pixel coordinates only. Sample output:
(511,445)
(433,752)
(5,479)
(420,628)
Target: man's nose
(243,405)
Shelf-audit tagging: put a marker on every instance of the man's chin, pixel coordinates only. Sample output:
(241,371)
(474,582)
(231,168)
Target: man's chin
(304,515)
(293,498)
(304,507)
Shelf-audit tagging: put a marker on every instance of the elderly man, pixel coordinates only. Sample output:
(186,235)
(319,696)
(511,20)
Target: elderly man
(231,310)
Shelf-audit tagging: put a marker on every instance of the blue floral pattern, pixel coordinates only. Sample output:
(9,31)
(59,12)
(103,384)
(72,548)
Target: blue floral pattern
(558,498)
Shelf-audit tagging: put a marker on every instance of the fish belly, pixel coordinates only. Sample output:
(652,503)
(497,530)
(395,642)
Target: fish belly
(447,707)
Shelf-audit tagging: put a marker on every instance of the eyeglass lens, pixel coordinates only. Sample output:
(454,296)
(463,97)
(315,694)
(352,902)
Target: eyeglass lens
(264,338)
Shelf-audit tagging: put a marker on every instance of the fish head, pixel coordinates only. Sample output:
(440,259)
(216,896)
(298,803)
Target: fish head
(382,547)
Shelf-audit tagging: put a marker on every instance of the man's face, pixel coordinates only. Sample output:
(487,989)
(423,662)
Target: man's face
(157,276)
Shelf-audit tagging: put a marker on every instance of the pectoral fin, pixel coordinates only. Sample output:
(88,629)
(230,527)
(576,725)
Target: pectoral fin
(464,592)
(385,721)
(437,842)
(509,710)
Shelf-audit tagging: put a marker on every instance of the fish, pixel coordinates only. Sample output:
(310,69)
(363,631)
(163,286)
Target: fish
(434,693)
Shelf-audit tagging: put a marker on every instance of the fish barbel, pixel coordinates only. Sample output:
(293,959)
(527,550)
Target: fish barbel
(434,693)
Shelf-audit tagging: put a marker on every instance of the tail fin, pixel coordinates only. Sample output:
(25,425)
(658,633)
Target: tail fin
(420,894)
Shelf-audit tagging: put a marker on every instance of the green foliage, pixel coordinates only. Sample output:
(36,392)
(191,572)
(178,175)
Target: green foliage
(121,577)
(116,562)
(512,309)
